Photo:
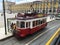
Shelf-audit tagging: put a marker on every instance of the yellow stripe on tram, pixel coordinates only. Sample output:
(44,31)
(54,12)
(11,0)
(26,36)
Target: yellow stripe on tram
(52,38)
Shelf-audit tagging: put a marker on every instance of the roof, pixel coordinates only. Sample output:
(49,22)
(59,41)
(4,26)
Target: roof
(28,16)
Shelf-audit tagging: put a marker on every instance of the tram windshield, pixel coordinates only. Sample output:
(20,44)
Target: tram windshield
(18,23)
(21,24)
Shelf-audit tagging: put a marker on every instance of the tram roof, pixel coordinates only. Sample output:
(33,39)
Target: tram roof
(24,18)
(28,18)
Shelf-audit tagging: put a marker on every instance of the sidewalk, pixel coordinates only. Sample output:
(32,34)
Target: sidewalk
(2,34)
(2,29)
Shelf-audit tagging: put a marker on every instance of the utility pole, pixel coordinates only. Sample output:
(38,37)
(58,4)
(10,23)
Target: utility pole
(4,17)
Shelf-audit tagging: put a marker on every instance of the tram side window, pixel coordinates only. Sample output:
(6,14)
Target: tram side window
(27,24)
(38,22)
(22,25)
(44,20)
(34,23)
(41,21)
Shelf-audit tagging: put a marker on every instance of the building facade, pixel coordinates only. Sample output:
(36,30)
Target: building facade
(8,5)
(49,7)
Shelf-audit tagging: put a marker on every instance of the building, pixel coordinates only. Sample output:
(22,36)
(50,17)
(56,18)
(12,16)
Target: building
(8,5)
(59,4)
(49,7)
(52,7)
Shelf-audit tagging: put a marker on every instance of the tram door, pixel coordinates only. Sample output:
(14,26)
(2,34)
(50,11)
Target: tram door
(9,23)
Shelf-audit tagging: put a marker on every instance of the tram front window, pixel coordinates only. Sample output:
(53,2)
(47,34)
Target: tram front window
(18,23)
(22,24)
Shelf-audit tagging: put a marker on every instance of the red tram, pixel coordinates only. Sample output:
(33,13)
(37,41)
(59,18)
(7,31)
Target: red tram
(29,23)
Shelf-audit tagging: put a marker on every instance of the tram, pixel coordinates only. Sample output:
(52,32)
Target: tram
(28,23)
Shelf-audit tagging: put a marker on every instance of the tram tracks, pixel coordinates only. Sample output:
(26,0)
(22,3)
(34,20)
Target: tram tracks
(14,41)
(41,34)
(51,25)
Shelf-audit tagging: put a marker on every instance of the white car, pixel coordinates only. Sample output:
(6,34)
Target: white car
(58,17)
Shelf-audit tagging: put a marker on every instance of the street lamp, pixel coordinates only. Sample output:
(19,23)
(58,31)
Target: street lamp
(4,17)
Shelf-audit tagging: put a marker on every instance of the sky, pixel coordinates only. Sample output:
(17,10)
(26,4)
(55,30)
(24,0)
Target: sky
(0,5)
(17,2)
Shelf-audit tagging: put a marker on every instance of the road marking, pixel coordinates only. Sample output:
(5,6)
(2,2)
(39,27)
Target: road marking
(40,35)
(53,36)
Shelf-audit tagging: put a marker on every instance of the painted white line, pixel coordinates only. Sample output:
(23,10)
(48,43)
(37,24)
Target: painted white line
(40,35)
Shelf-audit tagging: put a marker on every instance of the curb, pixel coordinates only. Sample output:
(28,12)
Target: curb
(6,38)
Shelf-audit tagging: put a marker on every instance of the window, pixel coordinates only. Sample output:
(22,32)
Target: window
(44,20)
(50,10)
(37,10)
(54,9)
(41,22)
(28,10)
(37,22)
(59,2)
(55,1)
(34,23)
(22,24)
(27,24)
(18,23)
(43,11)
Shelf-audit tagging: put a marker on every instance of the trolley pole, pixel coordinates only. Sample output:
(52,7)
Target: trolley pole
(4,17)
